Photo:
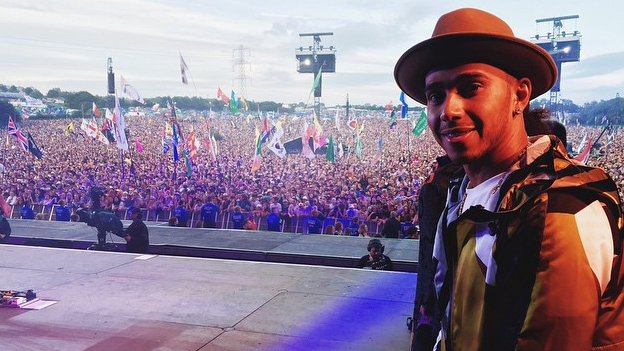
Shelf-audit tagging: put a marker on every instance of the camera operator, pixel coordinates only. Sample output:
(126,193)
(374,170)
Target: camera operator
(375,259)
(136,235)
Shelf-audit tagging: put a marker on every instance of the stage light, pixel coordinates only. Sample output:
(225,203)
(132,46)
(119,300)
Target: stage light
(306,62)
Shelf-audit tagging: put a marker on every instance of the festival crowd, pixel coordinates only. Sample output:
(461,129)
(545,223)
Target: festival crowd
(381,183)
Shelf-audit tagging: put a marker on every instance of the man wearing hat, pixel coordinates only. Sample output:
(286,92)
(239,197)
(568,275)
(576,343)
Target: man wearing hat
(136,235)
(528,252)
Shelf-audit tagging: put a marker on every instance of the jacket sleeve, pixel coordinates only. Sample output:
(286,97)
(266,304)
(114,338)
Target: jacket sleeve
(574,261)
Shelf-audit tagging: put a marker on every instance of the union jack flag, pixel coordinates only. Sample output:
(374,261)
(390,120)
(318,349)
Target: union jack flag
(13,130)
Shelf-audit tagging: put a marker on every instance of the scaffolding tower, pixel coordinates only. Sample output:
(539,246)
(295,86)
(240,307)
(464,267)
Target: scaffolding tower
(240,69)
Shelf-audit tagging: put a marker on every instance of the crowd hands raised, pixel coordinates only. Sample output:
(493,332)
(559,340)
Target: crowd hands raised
(361,189)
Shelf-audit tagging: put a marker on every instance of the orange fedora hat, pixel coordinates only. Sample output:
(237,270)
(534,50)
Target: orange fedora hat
(468,36)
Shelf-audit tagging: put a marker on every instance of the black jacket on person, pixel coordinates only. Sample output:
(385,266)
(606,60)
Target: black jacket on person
(383,263)
(5,228)
(431,202)
(391,228)
(139,237)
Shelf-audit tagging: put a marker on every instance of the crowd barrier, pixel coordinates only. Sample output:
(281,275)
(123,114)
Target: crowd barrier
(223,221)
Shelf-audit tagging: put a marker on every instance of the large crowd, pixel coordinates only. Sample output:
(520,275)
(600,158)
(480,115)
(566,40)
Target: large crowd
(385,178)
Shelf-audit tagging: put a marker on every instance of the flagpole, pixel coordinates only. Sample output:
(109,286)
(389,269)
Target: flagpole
(409,154)
(5,149)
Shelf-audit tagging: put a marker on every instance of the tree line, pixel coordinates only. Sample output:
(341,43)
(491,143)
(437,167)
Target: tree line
(80,103)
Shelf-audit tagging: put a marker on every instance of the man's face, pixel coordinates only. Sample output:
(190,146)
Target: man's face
(469,110)
(375,251)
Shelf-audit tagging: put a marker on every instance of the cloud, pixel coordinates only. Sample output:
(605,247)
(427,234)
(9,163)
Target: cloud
(595,65)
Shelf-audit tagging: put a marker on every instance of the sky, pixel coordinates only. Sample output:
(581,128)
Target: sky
(66,44)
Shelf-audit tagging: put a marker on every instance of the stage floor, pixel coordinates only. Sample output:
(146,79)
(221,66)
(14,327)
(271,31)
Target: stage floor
(314,249)
(119,301)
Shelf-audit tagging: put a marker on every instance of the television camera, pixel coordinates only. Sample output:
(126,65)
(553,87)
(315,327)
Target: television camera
(103,221)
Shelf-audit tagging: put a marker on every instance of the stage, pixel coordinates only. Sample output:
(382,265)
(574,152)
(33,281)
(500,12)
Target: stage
(119,301)
(313,249)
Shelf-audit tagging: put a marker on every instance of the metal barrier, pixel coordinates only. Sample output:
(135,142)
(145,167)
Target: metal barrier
(223,220)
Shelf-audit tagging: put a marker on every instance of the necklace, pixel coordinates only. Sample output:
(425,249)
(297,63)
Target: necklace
(460,210)
(494,190)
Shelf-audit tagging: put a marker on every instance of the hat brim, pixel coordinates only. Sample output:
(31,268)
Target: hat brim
(517,57)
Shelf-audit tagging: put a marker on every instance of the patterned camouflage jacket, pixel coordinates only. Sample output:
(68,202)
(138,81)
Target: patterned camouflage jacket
(553,277)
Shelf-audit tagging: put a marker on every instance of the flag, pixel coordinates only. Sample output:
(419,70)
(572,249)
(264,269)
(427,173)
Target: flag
(305,142)
(340,150)
(330,149)
(266,130)
(221,96)
(172,112)
(106,130)
(13,130)
(211,144)
(91,129)
(404,106)
(389,106)
(183,69)
(94,132)
(166,139)
(96,111)
(581,145)
(32,147)
(84,126)
(174,145)
(317,135)
(138,144)
(131,91)
(337,121)
(120,126)
(583,157)
(215,146)
(187,161)
(233,103)
(358,146)
(276,144)
(190,145)
(352,124)
(69,128)
(212,148)
(317,81)
(244,103)
(421,124)
(393,119)
(255,163)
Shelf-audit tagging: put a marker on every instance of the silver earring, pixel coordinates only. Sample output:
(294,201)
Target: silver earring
(516,111)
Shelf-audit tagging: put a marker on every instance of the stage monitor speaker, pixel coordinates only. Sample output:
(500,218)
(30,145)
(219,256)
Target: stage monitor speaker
(111,83)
